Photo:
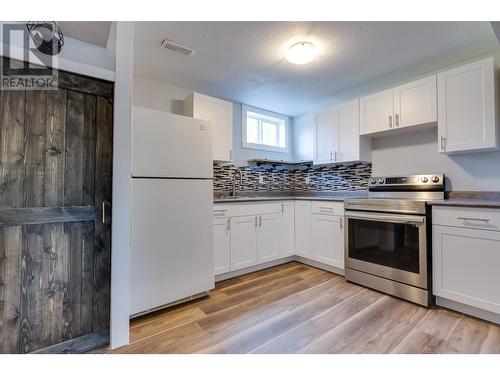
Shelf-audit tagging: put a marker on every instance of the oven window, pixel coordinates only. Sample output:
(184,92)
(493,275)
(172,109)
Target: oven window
(387,244)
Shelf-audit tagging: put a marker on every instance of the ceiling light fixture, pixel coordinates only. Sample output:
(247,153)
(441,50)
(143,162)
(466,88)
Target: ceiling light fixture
(301,53)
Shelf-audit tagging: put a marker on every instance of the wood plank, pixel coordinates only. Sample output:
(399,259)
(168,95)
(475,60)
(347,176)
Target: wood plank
(12,117)
(83,84)
(431,333)
(245,286)
(296,339)
(468,337)
(492,343)
(32,237)
(73,195)
(250,339)
(221,285)
(88,228)
(45,215)
(78,345)
(377,329)
(10,299)
(32,293)
(55,144)
(103,193)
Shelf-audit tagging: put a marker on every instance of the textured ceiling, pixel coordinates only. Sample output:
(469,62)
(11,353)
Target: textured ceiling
(243,61)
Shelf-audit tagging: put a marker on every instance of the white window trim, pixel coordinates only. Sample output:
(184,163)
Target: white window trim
(272,117)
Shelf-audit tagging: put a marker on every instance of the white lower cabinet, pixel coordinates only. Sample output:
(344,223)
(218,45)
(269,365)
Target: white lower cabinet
(466,263)
(303,228)
(287,229)
(268,239)
(327,240)
(222,245)
(249,234)
(243,242)
(466,258)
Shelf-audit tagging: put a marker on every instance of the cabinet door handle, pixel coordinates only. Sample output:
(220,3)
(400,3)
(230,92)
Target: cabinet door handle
(390,121)
(443,142)
(282,208)
(396,119)
(340,223)
(256,221)
(104,204)
(260,221)
(473,219)
(228,225)
(335,155)
(331,156)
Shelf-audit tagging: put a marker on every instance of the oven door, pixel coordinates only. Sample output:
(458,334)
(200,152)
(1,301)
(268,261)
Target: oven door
(392,246)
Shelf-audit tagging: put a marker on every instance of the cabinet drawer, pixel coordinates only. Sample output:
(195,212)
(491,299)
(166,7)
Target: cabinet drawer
(467,217)
(328,208)
(247,209)
(221,211)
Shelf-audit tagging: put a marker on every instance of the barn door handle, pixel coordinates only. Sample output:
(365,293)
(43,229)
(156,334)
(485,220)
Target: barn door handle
(104,204)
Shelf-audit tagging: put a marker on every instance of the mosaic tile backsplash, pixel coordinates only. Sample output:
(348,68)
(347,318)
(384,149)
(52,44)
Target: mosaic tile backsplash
(352,177)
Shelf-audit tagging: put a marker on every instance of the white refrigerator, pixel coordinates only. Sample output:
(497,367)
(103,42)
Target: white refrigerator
(172,203)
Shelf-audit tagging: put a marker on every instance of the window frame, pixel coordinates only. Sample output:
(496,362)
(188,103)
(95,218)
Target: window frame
(271,117)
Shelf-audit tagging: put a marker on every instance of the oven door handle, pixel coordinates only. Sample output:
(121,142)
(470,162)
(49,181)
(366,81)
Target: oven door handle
(397,219)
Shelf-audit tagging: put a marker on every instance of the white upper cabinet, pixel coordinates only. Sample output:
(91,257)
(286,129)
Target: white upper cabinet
(337,138)
(466,108)
(411,104)
(350,145)
(415,103)
(376,112)
(323,138)
(220,115)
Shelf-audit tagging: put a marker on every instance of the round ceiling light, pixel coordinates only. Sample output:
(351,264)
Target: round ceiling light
(301,53)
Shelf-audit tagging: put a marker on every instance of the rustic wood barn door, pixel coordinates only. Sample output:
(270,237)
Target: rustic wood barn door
(55,244)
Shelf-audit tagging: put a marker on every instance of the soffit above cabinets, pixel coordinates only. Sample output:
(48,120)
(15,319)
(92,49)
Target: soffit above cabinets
(95,32)
(243,61)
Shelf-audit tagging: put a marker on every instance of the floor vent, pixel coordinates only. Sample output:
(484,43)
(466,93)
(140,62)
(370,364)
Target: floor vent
(177,48)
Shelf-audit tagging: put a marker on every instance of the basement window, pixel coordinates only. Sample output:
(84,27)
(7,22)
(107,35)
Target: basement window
(264,130)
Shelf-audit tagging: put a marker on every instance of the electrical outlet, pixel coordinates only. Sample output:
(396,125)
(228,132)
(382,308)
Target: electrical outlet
(308,180)
(261,179)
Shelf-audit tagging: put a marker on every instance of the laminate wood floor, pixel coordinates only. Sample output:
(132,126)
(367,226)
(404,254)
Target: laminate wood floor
(294,308)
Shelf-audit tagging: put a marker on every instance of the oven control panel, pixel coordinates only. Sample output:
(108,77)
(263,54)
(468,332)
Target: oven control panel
(413,182)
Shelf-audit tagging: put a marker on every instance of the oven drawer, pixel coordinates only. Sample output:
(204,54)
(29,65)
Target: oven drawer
(467,217)
(327,208)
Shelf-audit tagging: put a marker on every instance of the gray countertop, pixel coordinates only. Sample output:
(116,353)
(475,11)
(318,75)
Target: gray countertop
(262,197)
(481,199)
(480,203)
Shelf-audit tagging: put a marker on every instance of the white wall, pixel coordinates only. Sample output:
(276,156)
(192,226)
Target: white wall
(303,136)
(417,152)
(411,153)
(165,97)
(122,186)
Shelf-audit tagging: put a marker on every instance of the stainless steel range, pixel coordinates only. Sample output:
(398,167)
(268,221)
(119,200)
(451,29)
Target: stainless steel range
(388,236)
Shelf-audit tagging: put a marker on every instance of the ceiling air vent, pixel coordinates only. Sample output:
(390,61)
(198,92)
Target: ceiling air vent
(177,48)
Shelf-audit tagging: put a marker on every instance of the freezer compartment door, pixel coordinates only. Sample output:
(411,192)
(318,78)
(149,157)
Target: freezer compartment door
(172,246)
(168,145)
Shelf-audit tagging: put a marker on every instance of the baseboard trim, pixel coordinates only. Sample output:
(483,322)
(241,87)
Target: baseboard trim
(78,345)
(468,310)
